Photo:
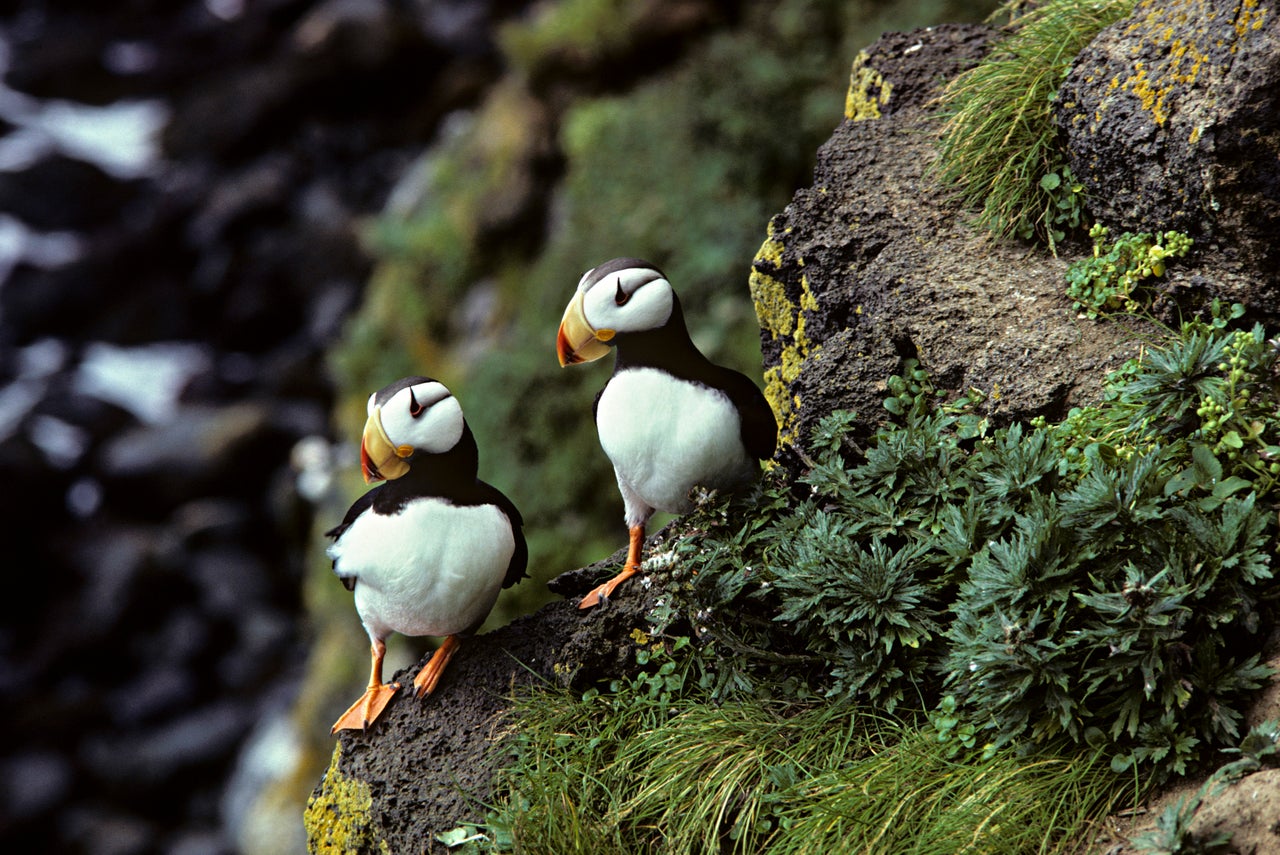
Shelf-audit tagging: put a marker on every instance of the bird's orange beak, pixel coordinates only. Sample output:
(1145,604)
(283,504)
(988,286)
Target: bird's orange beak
(577,340)
(379,459)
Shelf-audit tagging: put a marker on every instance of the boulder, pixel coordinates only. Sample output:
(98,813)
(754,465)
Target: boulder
(872,265)
(1172,118)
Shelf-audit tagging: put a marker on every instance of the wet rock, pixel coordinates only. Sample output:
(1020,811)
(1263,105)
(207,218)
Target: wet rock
(58,193)
(156,758)
(33,783)
(159,370)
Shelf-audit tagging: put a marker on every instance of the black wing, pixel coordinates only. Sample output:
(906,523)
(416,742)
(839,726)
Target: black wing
(758,424)
(519,558)
(361,505)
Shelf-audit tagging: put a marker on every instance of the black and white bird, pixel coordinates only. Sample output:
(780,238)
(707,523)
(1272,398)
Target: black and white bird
(427,552)
(669,419)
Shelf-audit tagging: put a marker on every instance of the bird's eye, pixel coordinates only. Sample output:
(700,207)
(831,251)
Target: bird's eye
(620,297)
(415,409)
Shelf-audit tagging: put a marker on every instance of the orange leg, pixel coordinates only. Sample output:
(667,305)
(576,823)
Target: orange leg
(370,705)
(425,682)
(605,590)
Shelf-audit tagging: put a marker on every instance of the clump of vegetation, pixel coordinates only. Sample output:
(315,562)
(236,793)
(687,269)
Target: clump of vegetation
(1089,580)
(999,146)
(631,771)
(943,606)
(1107,280)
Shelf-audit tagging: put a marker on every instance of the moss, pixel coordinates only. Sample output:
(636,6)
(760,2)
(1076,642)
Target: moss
(782,318)
(579,32)
(338,818)
(868,91)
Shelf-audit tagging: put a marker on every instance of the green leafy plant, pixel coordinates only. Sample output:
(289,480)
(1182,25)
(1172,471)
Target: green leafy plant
(1107,280)
(1027,603)
(1064,206)
(999,146)
(1085,581)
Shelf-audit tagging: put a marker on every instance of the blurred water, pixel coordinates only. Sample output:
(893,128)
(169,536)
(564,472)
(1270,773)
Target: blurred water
(144,380)
(122,139)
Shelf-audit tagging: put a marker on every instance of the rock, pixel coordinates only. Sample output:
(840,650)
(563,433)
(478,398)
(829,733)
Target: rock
(1172,119)
(1249,811)
(58,193)
(202,450)
(162,556)
(435,755)
(872,265)
(152,760)
(34,782)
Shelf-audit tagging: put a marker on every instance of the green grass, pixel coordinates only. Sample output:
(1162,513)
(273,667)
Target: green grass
(629,772)
(999,148)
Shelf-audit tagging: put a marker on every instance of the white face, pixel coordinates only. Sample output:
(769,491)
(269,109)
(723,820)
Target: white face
(424,416)
(630,299)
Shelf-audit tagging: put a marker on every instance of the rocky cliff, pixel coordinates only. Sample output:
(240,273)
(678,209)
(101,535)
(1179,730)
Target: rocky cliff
(872,265)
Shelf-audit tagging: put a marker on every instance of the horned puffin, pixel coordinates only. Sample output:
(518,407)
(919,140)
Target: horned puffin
(427,552)
(669,419)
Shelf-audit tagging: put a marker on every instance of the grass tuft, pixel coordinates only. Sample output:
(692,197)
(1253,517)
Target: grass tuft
(999,145)
(607,773)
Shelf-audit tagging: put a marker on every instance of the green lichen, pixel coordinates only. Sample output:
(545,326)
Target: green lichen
(782,318)
(338,819)
(868,91)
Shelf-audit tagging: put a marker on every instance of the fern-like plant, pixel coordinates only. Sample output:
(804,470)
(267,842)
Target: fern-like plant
(1035,599)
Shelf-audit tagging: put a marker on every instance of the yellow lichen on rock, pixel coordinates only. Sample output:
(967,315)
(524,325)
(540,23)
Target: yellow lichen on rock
(337,818)
(1183,61)
(776,313)
(1252,14)
(782,319)
(868,91)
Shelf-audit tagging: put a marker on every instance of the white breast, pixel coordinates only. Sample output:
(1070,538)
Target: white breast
(666,436)
(433,569)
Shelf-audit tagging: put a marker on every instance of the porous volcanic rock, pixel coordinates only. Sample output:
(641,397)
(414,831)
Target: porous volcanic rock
(873,265)
(1172,118)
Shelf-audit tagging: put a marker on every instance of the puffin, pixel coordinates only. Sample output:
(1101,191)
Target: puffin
(426,552)
(669,419)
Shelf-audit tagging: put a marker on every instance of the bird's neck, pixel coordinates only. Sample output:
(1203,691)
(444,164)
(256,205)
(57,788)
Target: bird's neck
(439,474)
(668,347)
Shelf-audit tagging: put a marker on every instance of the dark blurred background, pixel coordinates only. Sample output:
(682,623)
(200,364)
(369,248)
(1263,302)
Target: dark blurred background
(223,223)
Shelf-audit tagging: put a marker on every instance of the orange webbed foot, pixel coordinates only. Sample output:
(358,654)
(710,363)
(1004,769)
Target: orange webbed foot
(631,568)
(366,710)
(425,683)
(605,590)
